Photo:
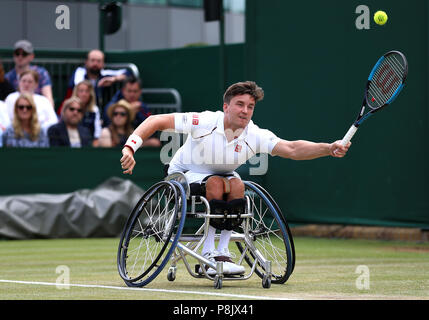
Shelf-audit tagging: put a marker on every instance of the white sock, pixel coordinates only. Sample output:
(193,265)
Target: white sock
(225,235)
(209,244)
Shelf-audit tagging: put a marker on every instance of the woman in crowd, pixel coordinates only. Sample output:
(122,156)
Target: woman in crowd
(28,82)
(91,114)
(25,130)
(4,117)
(116,134)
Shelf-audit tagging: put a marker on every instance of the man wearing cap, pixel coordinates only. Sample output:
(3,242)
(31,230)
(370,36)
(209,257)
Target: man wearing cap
(23,55)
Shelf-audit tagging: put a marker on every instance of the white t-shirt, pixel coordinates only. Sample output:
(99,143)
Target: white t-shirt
(74,138)
(97,123)
(45,111)
(207,150)
(4,117)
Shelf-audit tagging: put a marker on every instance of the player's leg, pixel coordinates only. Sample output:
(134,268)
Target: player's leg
(233,190)
(214,194)
(236,189)
(235,200)
(215,188)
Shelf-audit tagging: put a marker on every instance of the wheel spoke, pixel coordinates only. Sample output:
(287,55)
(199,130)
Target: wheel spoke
(154,222)
(270,235)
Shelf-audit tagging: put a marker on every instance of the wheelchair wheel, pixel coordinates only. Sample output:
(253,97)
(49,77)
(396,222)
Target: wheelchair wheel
(270,234)
(151,233)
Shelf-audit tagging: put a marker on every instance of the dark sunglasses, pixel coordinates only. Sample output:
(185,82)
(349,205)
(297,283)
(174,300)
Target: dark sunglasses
(22,107)
(20,53)
(72,109)
(117,113)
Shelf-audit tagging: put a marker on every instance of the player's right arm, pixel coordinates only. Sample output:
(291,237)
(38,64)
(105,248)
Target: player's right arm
(145,130)
(307,150)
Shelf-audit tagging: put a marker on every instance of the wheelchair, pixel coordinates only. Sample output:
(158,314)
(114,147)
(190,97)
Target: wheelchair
(154,236)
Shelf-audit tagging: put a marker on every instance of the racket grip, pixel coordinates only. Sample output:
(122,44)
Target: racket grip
(349,135)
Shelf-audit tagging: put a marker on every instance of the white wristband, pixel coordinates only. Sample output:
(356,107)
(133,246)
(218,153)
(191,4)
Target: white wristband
(134,142)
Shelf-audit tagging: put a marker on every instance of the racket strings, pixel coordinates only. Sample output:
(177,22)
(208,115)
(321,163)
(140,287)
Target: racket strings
(386,80)
(376,97)
(397,67)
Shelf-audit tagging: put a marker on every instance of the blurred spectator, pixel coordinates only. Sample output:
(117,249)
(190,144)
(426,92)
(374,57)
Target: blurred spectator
(69,132)
(5,87)
(23,55)
(94,71)
(25,130)
(27,84)
(4,117)
(132,93)
(91,114)
(4,120)
(116,134)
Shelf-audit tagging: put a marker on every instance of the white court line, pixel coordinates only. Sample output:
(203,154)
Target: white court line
(226,295)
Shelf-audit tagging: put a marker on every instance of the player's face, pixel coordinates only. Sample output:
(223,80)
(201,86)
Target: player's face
(239,111)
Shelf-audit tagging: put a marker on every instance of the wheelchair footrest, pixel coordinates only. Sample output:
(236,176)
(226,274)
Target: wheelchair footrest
(198,271)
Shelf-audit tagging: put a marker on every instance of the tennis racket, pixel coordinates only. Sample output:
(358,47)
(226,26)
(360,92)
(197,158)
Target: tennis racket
(385,82)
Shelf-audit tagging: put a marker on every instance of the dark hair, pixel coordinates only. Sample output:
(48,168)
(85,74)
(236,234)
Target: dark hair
(132,80)
(240,88)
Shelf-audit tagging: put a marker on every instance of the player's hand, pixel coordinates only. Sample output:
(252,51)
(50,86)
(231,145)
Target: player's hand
(336,149)
(127,161)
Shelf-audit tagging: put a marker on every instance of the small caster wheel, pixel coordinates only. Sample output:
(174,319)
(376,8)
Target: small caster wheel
(266,281)
(171,274)
(218,282)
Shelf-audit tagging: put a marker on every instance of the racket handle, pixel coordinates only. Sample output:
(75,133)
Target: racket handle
(349,135)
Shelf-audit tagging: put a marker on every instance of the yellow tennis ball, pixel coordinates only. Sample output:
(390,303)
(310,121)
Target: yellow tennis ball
(380,17)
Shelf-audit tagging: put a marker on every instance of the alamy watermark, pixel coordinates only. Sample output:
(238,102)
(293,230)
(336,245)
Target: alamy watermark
(62,21)
(196,152)
(63,280)
(363,280)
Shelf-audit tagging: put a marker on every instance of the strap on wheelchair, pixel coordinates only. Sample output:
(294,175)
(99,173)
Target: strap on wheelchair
(226,185)
(221,207)
(237,206)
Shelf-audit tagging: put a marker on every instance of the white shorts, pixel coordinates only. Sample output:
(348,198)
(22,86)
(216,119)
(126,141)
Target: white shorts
(194,177)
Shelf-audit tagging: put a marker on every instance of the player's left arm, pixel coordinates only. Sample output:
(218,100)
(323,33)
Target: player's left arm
(307,150)
(144,131)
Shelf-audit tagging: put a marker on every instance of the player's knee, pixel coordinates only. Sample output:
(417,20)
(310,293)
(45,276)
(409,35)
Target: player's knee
(237,187)
(214,187)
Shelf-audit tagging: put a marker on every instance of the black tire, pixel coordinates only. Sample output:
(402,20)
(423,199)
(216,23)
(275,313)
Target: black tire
(271,235)
(151,233)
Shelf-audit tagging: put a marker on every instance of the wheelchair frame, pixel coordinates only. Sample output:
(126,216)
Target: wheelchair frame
(162,227)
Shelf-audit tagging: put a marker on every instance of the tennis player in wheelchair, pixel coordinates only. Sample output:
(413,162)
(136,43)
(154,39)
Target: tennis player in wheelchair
(217,144)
